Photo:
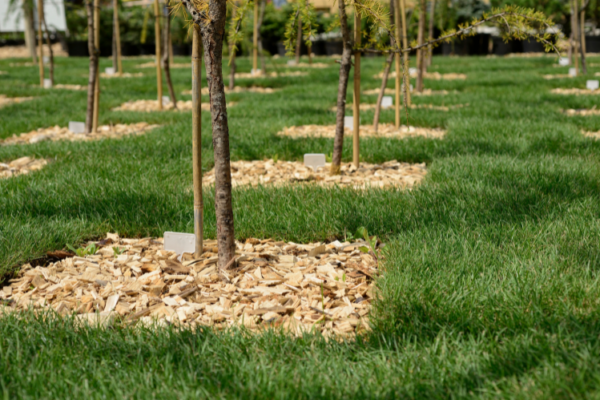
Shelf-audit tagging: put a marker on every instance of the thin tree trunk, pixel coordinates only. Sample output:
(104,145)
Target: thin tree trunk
(159,88)
(117,34)
(115,58)
(421,52)
(50,52)
(582,40)
(197,139)
(232,52)
(575,30)
(89,117)
(166,55)
(40,10)
(212,37)
(345,65)
(261,17)
(407,95)
(386,73)
(29,29)
(299,40)
(431,25)
(356,93)
(97,82)
(397,84)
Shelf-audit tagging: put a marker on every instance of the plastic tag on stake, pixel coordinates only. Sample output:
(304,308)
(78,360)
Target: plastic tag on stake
(592,85)
(387,102)
(349,123)
(314,161)
(77,127)
(47,84)
(109,71)
(166,99)
(180,242)
(563,61)
(572,71)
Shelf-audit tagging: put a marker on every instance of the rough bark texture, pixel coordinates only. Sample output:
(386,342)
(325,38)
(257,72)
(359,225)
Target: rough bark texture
(165,56)
(421,52)
(431,24)
(212,38)
(29,29)
(232,52)
(89,116)
(345,65)
(50,52)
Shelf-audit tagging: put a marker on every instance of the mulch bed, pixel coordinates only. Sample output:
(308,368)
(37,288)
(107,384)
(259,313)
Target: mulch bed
(57,133)
(21,166)
(247,75)
(152,106)
(384,131)
(366,107)
(307,65)
(558,76)
(23,51)
(582,112)
(436,76)
(5,100)
(391,91)
(575,91)
(124,75)
(173,65)
(70,87)
(593,135)
(238,89)
(314,287)
(269,172)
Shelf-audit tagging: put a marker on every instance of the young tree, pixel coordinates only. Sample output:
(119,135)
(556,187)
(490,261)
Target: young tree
(235,25)
(421,52)
(116,44)
(93,69)
(166,64)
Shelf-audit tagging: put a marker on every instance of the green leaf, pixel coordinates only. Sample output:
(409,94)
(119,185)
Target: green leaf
(364,249)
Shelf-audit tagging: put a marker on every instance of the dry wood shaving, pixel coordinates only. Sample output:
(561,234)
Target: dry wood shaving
(23,52)
(391,173)
(436,76)
(4,100)
(238,89)
(20,166)
(575,91)
(582,112)
(316,287)
(123,75)
(57,133)
(366,107)
(384,131)
(426,92)
(246,75)
(172,65)
(152,106)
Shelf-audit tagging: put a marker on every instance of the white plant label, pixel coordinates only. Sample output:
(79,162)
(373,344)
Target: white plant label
(387,102)
(46,59)
(412,71)
(166,99)
(47,84)
(592,85)
(572,72)
(349,123)
(77,127)
(563,61)
(314,161)
(180,242)
(109,71)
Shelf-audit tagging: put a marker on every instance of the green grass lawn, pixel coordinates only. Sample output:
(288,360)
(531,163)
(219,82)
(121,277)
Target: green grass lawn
(491,286)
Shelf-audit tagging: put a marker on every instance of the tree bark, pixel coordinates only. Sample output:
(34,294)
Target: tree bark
(93,68)
(345,65)
(213,31)
(29,29)
(356,93)
(421,52)
(407,96)
(50,52)
(97,48)
(232,52)
(431,26)
(40,10)
(197,140)
(165,57)
(575,31)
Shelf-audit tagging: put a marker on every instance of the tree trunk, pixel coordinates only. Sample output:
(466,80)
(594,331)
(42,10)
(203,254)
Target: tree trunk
(50,52)
(421,52)
(212,36)
(261,17)
(165,57)
(407,97)
(356,93)
(397,84)
(575,30)
(29,29)
(232,52)
(93,68)
(197,140)
(255,39)
(582,40)
(115,59)
(97,82)
(386,72)
(299,40)
(345,65)
(159,88)
(40,10)
(431,25)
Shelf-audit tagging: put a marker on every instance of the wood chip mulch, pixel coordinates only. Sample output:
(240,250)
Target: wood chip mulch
(436,76)
(366,107)
(172,65)
(247,75)
(5,100)
(269,172)
(124,75)
(582,112)
(23,52)
(70,87)
(384,131)
(307,65)
(57,133)
(152,106)
(575,91)
(593,135)
(391,91)
(238,89)
(558,76)
(21,166)
(316,287)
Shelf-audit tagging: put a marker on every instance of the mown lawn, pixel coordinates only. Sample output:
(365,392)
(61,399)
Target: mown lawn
(491,286)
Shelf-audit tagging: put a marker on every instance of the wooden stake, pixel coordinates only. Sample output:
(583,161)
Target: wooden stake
(97,84)
(398,67)
(197,138)
(158,67)
(40,9)
(255,40)
(117,33)
(405,45)
(421,51)
(356,94)
(431,26)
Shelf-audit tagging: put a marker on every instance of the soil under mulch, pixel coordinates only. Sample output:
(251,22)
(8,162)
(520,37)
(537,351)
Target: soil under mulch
(366,107)
(21,166)
(237,89)
(428,75)
(247,75)
(391,91)
(391,173)
(5,100)
(384,131)
(124,75)
(575,91)
(316,287)
(582,112)
(57,133)
(152,106)
(23,52)
(173,65)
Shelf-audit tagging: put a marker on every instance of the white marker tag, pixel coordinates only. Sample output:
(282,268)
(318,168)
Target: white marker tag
(572,72)
(563,61)
(314,161)
(109,71)
(77,127)
(166,99)
(387,102)
(180,242)
(592,85)
(349,123)
(46,59)
(47,84)
(412,71)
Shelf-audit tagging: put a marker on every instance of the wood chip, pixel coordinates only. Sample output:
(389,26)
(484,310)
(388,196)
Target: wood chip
(20,166)
(384,131)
